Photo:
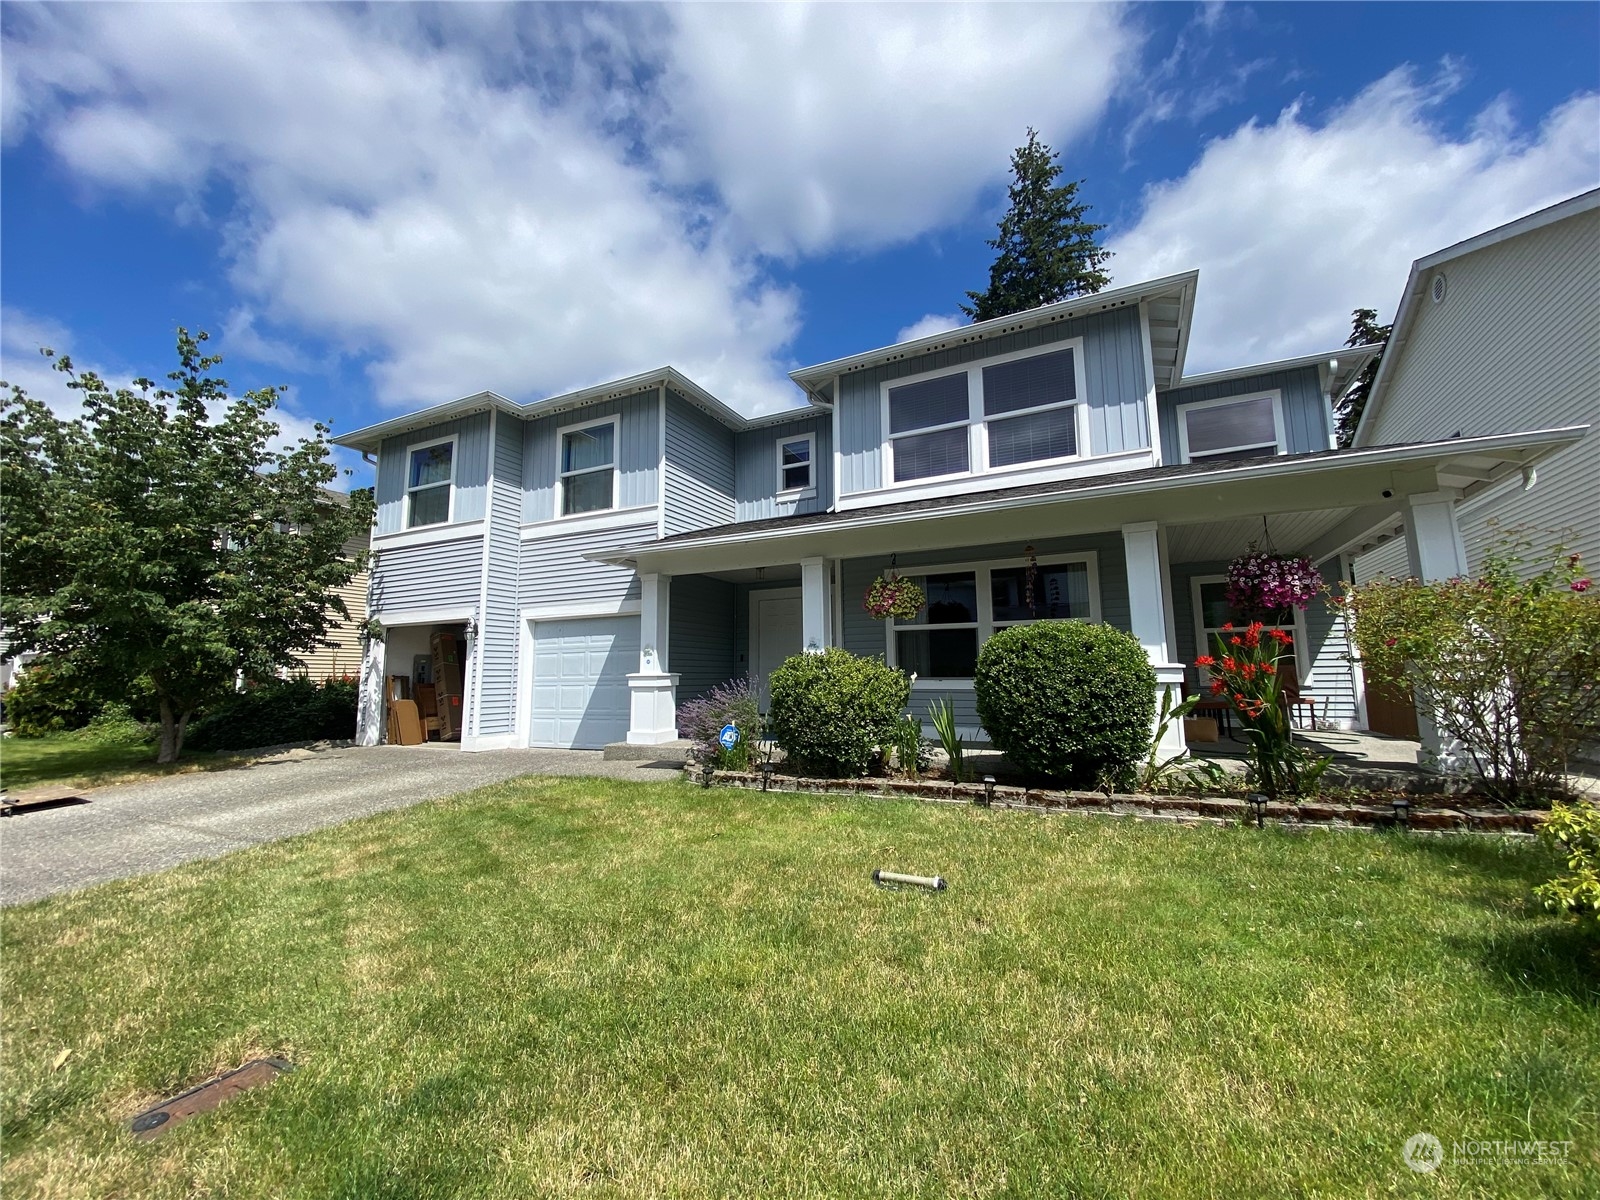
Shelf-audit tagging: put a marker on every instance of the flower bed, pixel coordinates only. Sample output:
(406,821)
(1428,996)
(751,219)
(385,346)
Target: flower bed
(1211,809)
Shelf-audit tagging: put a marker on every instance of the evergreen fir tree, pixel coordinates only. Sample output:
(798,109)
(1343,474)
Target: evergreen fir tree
(1048,251)
(1364,331)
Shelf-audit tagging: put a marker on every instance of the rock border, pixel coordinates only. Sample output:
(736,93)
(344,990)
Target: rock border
(1216,810)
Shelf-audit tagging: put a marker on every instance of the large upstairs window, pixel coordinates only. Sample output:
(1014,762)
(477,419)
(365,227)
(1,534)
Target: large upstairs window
(589,468)
(429,481)
(1231,427)
(1021,410)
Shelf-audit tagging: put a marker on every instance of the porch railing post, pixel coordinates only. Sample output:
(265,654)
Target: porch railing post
(1149,601)
(653,690)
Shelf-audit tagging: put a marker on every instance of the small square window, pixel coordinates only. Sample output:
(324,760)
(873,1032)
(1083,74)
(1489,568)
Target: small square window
(794,463)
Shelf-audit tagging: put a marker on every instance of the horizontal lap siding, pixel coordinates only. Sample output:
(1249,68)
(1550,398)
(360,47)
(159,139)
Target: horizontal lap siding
(443,575)
(345,655)
(1388,561)
(700,475)
(700,649)
(756,470)
(1113,371)
(500,635)
(638,455)
(471,470)
(1511,347)
(1305,413)
(555,573)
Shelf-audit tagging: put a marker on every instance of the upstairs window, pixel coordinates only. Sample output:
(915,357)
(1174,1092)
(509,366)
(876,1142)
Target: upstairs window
(1029,409)
(795,468)
(928,427)
(589,468)
(428,483)
(1233,427)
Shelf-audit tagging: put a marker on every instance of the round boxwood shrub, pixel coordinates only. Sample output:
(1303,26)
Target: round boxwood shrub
(1067,701)
(832,712)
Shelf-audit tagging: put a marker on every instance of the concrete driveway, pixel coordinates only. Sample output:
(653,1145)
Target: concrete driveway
(137,828)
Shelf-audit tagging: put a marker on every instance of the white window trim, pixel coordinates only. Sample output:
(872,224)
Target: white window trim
(450,510)
(800,493)
(985,623)
(1278,443)
(615,468)
(1202,636)
(976,422)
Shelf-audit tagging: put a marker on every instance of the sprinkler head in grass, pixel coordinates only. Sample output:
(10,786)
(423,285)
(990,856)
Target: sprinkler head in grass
(1402,812)
(988,791)
(1258,803)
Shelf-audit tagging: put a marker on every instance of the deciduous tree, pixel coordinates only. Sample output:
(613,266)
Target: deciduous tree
(159,541)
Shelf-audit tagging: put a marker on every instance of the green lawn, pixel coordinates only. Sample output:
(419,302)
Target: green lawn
(581,988)
(73,762)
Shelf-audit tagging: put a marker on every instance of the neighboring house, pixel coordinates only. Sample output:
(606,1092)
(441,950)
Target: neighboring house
(610,553)
(344,655)
(1498,333)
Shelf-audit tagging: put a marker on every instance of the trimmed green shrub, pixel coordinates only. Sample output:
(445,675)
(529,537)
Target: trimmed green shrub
(1067,702)
(1573,831)
(114,725)
(48,698)
(834,712)
(277,711)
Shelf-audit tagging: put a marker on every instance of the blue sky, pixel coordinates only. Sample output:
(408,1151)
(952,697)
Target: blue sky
(390,206)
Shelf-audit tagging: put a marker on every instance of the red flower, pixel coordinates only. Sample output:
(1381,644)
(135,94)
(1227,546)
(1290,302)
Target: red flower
(1235,641)
(1229,625)
(1205,660)
(1217,687)
(1580,585)
(1228,662)
(1282,638)
(1389,641)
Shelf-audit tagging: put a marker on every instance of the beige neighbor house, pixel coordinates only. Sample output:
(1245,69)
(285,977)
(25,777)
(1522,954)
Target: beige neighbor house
(1497,333)
(343,656)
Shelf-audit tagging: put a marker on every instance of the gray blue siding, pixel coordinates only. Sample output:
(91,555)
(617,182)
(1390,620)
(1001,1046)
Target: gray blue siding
(757,469)
(638,455)
(699,462)
(701,647)
(1114,379)
(471,470)
(1305,415)
(440,575)
(499,637)
(555,573)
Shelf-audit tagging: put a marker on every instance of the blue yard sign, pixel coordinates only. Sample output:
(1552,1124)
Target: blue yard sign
(729,737)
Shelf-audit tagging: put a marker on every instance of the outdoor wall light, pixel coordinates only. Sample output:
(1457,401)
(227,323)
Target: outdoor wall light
(1258,803)
(988,791)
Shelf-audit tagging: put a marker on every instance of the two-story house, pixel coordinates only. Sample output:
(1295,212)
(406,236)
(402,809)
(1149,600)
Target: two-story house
(612,552)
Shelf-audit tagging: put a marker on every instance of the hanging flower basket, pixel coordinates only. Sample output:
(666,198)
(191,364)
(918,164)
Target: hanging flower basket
(1260,583)
(894,597)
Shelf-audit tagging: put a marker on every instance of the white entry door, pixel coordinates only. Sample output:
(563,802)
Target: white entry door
(580,681)
(775,631)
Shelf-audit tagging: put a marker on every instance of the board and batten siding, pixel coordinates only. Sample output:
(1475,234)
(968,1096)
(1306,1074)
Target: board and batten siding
(638,452)
(1113,373)
(1512,346)
(499,634)
(863,634)
(700,646)
(699,462)
(1305,412)
(756,470)
(556,575)
(445,574)
(471,470)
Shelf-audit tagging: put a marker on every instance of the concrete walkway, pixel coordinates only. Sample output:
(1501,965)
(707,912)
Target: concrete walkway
(137,828)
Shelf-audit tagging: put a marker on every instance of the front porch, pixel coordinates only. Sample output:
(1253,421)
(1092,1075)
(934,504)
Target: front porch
(1146,554)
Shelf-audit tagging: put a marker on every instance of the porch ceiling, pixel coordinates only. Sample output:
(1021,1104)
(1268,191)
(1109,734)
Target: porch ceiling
(1323,503)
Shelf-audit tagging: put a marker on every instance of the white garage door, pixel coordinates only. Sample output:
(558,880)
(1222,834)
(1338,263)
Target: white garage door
(580,685)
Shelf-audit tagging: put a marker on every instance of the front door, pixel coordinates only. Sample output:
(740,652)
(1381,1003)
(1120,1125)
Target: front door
(775,630)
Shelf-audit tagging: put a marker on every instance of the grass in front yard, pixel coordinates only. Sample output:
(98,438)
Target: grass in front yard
(74,762)
(553,988)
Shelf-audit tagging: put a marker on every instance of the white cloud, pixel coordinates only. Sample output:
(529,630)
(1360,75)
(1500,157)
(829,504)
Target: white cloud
(927,326)
(1294,225)
(862,125)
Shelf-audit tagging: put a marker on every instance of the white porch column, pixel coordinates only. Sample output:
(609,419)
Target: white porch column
(1435,552)
(652,690)
(816,613)
(372,705)
(1148,591)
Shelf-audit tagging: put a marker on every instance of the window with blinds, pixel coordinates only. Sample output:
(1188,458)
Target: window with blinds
(1030,409)
(928,427)
(1243,428)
